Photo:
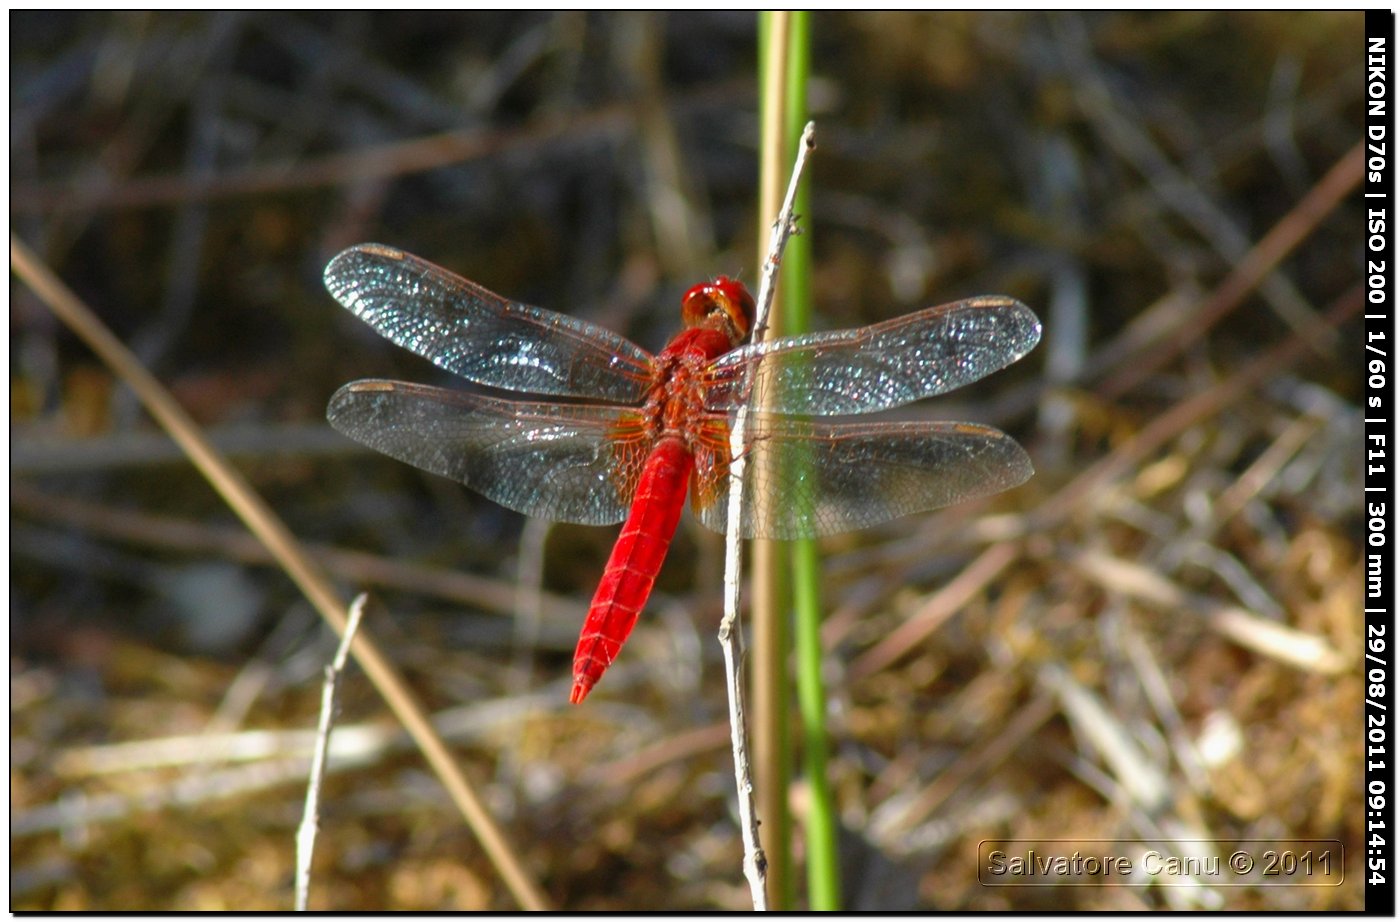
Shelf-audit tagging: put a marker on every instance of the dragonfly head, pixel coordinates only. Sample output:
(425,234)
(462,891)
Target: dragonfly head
(723,304)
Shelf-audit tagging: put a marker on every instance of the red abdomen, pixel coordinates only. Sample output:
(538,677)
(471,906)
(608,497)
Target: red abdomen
(635,561)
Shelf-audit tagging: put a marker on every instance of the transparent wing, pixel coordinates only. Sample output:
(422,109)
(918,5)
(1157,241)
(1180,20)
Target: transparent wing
(567,463)
(877,367)
(806,478)
(481,336)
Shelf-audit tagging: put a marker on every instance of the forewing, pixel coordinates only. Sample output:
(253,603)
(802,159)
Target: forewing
(481,336)
(876,367)
(566,463)
(806,478)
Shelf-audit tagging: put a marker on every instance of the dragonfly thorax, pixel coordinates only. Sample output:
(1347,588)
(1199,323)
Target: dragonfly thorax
(676,401)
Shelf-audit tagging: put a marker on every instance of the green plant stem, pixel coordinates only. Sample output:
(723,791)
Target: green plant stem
(823,864)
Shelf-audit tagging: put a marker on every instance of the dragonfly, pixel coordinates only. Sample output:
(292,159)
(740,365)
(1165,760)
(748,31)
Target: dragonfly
(629,433)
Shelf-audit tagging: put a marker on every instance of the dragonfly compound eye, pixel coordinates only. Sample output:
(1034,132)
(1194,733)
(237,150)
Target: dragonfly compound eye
(723,298)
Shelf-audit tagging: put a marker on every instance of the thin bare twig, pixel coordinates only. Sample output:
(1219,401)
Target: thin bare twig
(306,832)
(1284,643)
(190,537)
(279,540)
(730,637)
(978,762)
(938,609)
(80,810)
(1175,188)
(1250,271)
(384,161)
(1168,425)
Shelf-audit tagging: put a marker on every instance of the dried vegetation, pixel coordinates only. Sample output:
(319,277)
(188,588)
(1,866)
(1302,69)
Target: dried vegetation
(1156,638)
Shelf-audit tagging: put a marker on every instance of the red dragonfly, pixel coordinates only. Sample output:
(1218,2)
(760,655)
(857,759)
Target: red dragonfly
(641,429)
